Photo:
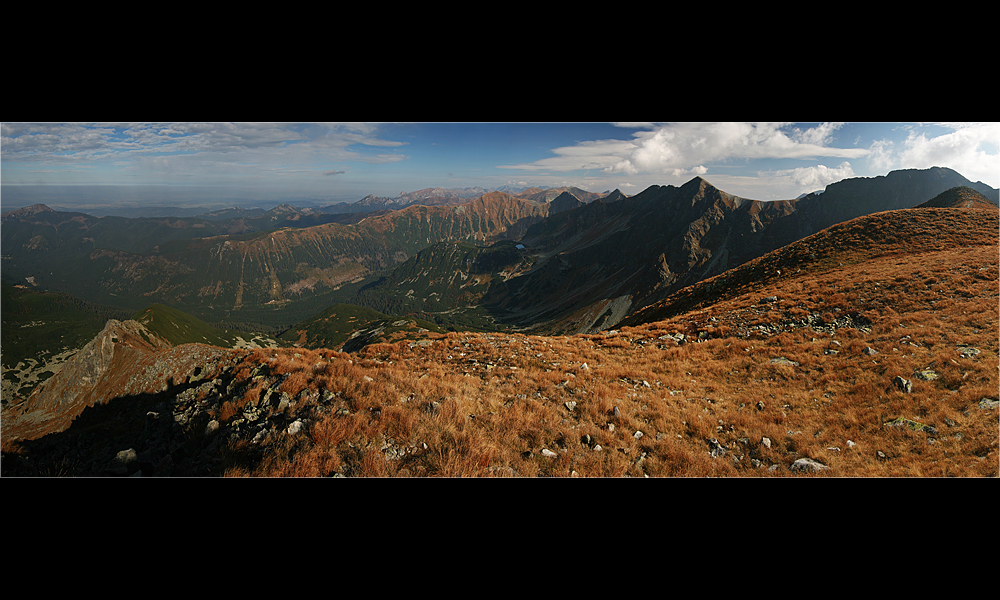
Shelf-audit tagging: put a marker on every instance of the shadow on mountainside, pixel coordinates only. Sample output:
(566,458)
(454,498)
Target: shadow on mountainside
(148,434)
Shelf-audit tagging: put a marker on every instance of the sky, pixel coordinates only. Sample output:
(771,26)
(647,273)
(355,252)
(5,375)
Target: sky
(333,162)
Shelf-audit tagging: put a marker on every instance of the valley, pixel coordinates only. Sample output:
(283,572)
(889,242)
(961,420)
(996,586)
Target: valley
(679,332)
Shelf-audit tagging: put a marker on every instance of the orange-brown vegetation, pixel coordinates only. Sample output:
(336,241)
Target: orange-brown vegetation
(753,386)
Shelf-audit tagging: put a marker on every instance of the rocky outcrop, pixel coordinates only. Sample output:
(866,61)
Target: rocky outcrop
(121,344)
(176,414)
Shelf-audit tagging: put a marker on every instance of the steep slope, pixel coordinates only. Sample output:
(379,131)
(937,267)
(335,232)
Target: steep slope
(446,283)
(596,263)
(83,380)
(564,201)
(40,331)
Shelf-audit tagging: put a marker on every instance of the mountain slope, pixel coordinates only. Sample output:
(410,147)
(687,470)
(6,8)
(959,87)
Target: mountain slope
(243,277)
(350,327)
(873,353)
(598,262)
(857,242)
(959,197)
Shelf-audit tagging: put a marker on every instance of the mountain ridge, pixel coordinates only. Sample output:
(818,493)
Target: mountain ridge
(876,359)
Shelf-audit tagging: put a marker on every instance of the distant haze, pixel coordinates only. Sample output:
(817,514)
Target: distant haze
(98,165)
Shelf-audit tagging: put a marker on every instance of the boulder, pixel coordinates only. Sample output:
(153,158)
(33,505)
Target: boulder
(808,465)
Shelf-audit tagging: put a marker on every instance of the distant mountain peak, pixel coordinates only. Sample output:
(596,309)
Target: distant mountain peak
(28,210)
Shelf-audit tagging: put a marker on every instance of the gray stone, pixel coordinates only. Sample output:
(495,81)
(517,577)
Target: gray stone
(125,462)
(903,385)
(968,351)
(715,448)
(781,360)
(808,465)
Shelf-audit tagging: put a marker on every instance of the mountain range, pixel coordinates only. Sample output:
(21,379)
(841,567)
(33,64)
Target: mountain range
(867,348)
(561,261)
(591,262)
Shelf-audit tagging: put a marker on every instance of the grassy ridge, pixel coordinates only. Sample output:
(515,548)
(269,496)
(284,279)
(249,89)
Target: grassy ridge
(37,323)
(341,322)
(178,327)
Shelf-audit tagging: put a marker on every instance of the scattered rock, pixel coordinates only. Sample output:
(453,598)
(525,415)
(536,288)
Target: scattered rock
(988,403)
(570,405)
(911,424)
(808,465)
(715,448)
(968,351)
(925,375)
(870,351)
(125,462)
(548,453)
(781,360)
(903,385)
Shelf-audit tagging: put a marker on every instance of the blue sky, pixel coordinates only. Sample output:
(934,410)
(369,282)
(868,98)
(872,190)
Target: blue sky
(346,161)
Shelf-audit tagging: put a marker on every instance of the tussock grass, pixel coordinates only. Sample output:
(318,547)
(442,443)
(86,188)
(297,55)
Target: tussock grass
(759,390)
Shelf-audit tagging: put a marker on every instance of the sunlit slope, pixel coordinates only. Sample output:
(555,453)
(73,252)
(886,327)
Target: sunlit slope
(355,326)
(901,232)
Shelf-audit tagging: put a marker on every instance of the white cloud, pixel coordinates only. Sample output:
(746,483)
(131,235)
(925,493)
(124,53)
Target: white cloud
(971,149)
(680,148)
(819,176)
(819,135)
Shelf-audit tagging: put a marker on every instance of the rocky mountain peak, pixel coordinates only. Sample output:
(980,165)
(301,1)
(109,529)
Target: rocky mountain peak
(564,201)
(26,211)
(77,384)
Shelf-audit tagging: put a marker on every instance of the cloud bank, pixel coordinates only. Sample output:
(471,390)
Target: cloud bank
(972,149)
(686,148)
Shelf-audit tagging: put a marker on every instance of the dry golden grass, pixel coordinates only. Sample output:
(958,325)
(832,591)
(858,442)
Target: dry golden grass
(634,402)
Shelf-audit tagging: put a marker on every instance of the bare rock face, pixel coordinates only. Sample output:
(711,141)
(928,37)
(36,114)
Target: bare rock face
(54,404)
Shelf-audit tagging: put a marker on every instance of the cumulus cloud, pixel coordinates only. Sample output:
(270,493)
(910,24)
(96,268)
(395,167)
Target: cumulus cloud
(685,148)
(972,149)
(819,176)
(819,135)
